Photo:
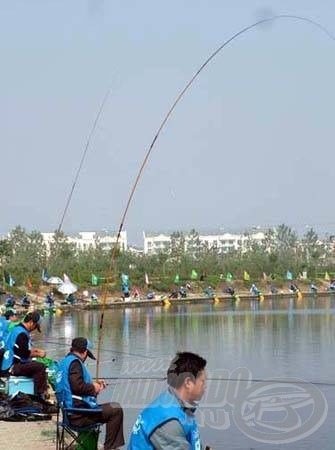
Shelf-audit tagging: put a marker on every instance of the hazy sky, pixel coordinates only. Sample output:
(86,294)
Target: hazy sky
(250,144)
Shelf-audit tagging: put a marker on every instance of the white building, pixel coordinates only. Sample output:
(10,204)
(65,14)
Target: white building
(156,243)
(90,239)
(224,242)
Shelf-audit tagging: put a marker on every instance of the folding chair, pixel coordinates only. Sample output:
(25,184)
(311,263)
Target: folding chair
(67,434)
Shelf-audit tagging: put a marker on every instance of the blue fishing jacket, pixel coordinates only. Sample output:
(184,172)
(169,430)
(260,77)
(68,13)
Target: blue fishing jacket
(63,388)
(3,331)
(8,357)
(164,408)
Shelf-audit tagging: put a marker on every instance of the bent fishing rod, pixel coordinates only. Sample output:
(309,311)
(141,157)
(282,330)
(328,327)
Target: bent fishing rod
(156,135)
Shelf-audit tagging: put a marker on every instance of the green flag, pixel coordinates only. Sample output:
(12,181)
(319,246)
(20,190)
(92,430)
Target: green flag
(327,277)
(229,277)
(94,280)
(194,275)
(246,276)
(176,279)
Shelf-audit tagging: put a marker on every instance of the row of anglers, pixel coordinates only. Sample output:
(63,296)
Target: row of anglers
(181,292)
(166,421)
(49,301)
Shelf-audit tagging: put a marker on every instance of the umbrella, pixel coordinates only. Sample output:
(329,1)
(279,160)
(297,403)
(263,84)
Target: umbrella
(67,288)
(54,280)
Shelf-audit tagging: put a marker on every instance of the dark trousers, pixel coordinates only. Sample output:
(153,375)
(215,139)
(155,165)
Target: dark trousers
(112,416)
(34,370)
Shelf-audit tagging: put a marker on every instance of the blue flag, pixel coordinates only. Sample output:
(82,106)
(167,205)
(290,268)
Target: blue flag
(45,275)
(289,275)
(9,279)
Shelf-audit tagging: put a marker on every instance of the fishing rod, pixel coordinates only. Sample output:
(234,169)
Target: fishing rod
(165,120)
(81,163)
(83,157)
(156,135)
(253,380)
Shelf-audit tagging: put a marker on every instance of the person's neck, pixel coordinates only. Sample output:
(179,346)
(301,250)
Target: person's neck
(26,326)
(182,395)
(79,355)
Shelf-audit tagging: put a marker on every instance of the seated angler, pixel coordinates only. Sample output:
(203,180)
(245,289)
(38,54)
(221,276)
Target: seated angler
(18,353)
(49,300)
(25,301)
(76,389)
(12,319)
(254,289)
(10,301)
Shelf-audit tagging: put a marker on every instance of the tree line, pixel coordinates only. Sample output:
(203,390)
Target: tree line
(24,255)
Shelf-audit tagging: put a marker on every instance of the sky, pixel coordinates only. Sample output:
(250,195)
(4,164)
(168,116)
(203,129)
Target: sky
(250,144)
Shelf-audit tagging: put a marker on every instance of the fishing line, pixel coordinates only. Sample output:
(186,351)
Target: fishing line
(68,344)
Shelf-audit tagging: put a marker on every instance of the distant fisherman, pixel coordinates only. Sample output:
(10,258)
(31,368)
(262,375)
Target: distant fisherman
(256,292)
(231,291)
(313,288)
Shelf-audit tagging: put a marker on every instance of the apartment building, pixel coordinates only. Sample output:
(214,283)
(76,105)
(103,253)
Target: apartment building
(89,239)
(223,242)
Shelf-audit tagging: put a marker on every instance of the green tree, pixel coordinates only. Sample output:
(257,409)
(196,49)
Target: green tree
(177,244)
(193,244)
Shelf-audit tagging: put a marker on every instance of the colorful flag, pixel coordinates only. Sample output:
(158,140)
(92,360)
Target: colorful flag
(66,278)
(246,276)
(327,277)
(146,279)
(194,275)
(94,280)
(176,278)
(124,278)
(289,275)
(45,275)
(229,277)
(9,279)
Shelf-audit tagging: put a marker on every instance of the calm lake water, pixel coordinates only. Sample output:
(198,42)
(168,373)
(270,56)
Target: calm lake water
(279,338)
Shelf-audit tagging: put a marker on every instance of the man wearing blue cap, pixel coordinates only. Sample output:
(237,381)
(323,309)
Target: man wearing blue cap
(76,389)
(18,353)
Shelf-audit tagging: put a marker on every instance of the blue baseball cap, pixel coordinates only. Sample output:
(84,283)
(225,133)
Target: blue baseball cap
(82,344)
(35,317)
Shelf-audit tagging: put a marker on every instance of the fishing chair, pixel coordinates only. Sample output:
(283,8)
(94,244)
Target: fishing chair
(85,438)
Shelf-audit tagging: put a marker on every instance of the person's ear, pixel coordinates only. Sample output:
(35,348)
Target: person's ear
(188,382)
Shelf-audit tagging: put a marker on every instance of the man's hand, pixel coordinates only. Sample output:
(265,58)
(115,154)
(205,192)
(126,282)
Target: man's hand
(102,383)
(97,386)
(37,352)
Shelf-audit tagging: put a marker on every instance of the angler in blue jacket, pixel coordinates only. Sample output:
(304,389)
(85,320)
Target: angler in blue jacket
(76,389)
(169,422)
(17,358)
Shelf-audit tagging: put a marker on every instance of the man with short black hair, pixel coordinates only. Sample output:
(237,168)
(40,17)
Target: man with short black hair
(168,423)
(18,353)
(76,389)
